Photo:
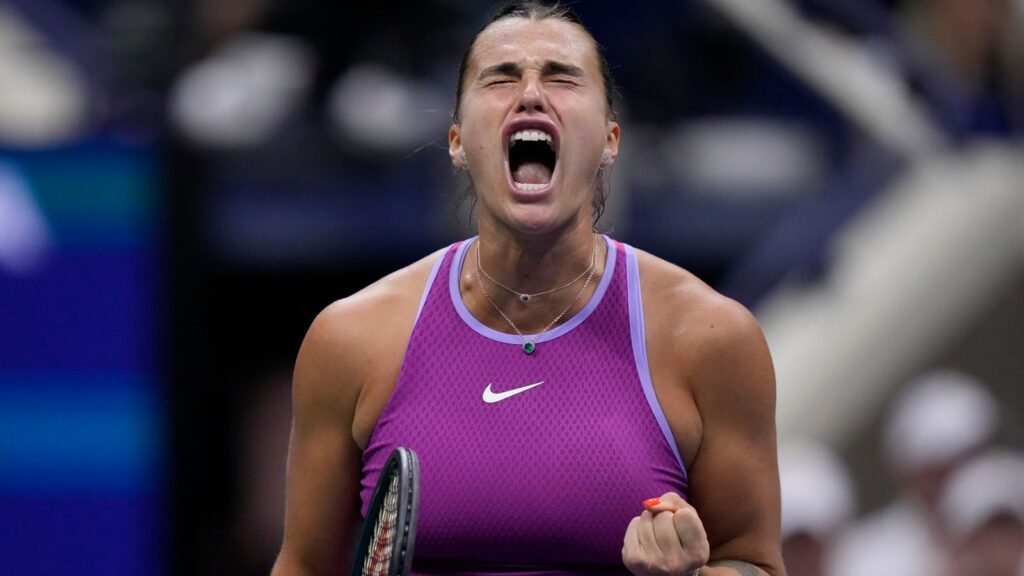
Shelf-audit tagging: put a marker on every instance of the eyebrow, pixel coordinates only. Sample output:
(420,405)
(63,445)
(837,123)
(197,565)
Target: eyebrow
(550,68)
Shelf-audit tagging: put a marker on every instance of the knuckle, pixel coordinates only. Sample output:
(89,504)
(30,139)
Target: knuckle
(672,497)
(677,565)
(687,515)
(660,568)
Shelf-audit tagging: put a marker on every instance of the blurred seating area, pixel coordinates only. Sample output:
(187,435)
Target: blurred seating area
(849,169)
(748,145)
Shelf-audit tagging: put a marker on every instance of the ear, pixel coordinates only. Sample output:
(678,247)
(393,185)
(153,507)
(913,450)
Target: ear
(455,150)
(611,145)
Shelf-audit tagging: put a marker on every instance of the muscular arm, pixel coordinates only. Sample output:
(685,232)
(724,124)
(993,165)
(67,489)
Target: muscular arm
(344,375)
(734,473)
(324,462)
(715,381)
(732,567)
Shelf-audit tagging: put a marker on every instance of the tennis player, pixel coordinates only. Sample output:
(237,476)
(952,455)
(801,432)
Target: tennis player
(578,406)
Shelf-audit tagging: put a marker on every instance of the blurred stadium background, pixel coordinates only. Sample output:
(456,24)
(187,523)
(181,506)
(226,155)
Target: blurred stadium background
(184,185)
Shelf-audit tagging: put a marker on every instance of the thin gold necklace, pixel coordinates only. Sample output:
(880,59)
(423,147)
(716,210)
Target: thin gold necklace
(527,298)
(529,346)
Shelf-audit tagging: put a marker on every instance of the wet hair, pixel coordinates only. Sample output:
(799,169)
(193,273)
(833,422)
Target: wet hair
(536,10)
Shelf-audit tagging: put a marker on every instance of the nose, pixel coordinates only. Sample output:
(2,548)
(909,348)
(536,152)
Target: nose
(532,97)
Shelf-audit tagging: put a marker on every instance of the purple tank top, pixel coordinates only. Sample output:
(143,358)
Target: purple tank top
(547,479)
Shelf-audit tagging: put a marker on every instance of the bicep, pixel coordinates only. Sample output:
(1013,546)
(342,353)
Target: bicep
(322,500)
(734,477)
(324,465)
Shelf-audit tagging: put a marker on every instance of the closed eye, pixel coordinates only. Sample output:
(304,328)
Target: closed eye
(497,81)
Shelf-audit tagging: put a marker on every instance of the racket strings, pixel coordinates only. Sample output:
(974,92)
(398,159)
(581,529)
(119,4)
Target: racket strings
(378,556)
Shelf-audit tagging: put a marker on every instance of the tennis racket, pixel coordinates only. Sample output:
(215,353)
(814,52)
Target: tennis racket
(386,542)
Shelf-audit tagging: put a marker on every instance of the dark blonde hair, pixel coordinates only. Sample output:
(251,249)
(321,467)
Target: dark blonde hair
(537,10)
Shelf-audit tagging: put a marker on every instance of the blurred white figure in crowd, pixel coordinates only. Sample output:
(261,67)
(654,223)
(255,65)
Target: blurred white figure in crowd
(244,92)
(44,96)
(936,424)
(817,502)
(983,508)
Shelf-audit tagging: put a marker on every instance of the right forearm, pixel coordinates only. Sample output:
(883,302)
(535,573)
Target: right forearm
(288,565)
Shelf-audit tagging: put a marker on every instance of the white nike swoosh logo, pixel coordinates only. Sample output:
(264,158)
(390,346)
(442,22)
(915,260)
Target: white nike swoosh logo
(492,397)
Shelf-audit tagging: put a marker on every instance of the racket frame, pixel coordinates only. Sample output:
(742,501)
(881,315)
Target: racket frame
(404,463)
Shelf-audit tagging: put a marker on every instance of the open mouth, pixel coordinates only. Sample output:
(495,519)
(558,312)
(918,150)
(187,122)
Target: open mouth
(531,159)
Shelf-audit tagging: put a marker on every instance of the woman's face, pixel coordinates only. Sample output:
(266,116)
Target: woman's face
(534,126)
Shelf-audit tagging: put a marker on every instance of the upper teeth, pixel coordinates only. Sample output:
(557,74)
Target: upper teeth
(530,136)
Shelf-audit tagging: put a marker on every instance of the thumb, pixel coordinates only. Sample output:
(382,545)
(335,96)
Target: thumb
(668,502)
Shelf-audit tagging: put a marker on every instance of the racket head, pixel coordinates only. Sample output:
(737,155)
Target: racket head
(389,531)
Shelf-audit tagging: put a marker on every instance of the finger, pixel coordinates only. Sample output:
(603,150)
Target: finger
(631,542)
(632,538)
(665,533)
(668,502)
(690,531)
(673,499)
(645,532)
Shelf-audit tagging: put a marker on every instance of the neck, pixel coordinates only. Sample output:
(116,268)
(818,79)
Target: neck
(531,266)
(529,263)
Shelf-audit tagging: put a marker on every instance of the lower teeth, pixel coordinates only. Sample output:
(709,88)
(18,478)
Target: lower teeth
(530,187)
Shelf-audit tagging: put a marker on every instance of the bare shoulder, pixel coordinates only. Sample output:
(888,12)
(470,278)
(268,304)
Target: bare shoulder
(716,383)
(376,306)
(714,336)
(692,308)
(348,351)
(352,337)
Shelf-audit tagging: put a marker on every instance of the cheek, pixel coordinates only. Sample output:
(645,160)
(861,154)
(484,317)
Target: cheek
(589,147)
(474,139)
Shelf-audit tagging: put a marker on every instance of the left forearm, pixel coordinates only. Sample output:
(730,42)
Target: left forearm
(736,568)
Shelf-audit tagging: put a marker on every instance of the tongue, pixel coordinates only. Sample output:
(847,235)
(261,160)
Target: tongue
(532,173)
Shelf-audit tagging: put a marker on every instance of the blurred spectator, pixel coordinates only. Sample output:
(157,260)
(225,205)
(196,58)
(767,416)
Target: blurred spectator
(933,427)
(1011,57)
(983,506)
(946,56)
(817,502)
(245,92)
(270,69)
(45,97)
(951,50)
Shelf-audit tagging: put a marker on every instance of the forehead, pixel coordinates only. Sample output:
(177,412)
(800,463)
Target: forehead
(533,42)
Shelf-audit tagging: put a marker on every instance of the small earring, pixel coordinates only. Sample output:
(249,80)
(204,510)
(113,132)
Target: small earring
(462,156)
(606,158)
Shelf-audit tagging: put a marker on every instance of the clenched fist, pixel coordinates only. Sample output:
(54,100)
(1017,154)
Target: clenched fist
(667,538)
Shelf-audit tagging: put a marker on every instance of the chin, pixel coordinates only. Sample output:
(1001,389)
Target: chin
(539,220)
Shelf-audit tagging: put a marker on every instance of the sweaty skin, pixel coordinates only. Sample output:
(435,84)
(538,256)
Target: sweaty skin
(709,362)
